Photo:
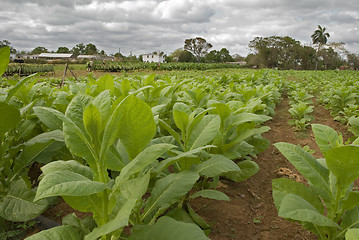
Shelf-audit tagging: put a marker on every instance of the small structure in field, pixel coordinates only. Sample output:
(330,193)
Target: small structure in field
(56,56)
(86,57)
(153,57)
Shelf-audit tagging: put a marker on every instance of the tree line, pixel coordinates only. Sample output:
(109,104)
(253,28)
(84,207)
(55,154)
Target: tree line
(280,52)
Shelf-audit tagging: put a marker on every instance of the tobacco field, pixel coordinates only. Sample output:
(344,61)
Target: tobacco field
(215,154)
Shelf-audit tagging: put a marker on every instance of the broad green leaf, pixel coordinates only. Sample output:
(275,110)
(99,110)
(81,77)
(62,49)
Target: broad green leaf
(249,117)
(168,128)
(169,190)
(18,205)
(222,110)
(133,122)
(75,111)
(296,208)
(181,120)
(308,166)
(70,165)
(352,234)
(326,137)
(103,103)
(243,135)
(118,222)
(18,86)
(35,147)
(204,132)
(247,169)
(67,183)
(167,228)
(197,218)
(92,122)
(75,139)
(58,233)
(9,117)
(343,162)
(48,118)
(350,219)
(142,160)
(216,166)
(105,83)
(4,59)
(212,194)
(281,187)
(351,201)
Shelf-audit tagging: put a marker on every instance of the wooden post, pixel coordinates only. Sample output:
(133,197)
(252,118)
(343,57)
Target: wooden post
(63,78)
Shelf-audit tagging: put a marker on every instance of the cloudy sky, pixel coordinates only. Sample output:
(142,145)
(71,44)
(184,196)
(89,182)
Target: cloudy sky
(139,26)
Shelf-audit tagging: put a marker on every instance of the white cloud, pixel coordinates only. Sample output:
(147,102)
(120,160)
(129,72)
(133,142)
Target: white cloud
(143,26)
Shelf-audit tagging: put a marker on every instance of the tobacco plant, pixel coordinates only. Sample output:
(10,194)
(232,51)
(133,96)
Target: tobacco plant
(328,206)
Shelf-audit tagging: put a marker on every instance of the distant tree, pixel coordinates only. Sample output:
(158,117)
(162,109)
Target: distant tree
(63,50)
(212,56)
(4,43)
(181,55)
(320,38)
(238,58)
(197,46)
(90,49)
(330,59)
(39,50)
(224,55)
(277,52)
(308,58)
(353,61)
(78,49)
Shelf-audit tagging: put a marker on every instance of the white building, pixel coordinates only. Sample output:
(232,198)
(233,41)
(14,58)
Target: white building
(54,56)
(153,57)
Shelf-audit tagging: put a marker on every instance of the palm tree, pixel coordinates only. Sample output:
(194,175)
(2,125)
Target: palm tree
(319,37)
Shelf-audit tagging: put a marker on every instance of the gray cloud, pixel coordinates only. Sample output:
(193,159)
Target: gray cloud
(140,26)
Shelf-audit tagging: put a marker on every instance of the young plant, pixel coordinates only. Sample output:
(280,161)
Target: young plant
(300,114)
(329,206)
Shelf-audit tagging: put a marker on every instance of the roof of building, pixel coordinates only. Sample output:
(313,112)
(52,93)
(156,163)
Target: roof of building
(86,56)
(56,55)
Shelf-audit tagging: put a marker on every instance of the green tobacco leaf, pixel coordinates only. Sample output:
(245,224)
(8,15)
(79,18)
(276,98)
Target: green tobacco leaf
(92,122)
(4,59)
(197,218)
(145,158)
(9,117)
(18,86)
(75,138)
(250,117)
(343,162)
(48,118)
(352,234)
(351,201)
(18,205)
(39,147)
(216,166)
(67,183)
(326,137)
(222,110)
(169,190)
(296,208)
(167,228)
(204,132)
(308,166)
(106,82)
(103,103)
(58,233)
(211,194)
(133,122)
(247,169)
(70,165)
(283,186)
(118,222)
(181,120)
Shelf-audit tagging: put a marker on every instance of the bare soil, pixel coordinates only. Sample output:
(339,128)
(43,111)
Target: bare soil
(250,213)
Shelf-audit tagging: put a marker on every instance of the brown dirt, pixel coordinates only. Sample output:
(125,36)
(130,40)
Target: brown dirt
(250,213)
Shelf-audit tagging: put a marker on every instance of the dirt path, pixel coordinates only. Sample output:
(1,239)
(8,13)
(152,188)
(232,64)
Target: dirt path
(251,214)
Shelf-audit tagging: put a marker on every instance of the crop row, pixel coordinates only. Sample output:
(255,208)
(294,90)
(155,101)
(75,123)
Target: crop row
(105,143)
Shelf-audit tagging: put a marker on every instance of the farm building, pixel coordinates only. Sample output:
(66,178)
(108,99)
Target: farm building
(152,57)
(56,56)
(86,57)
